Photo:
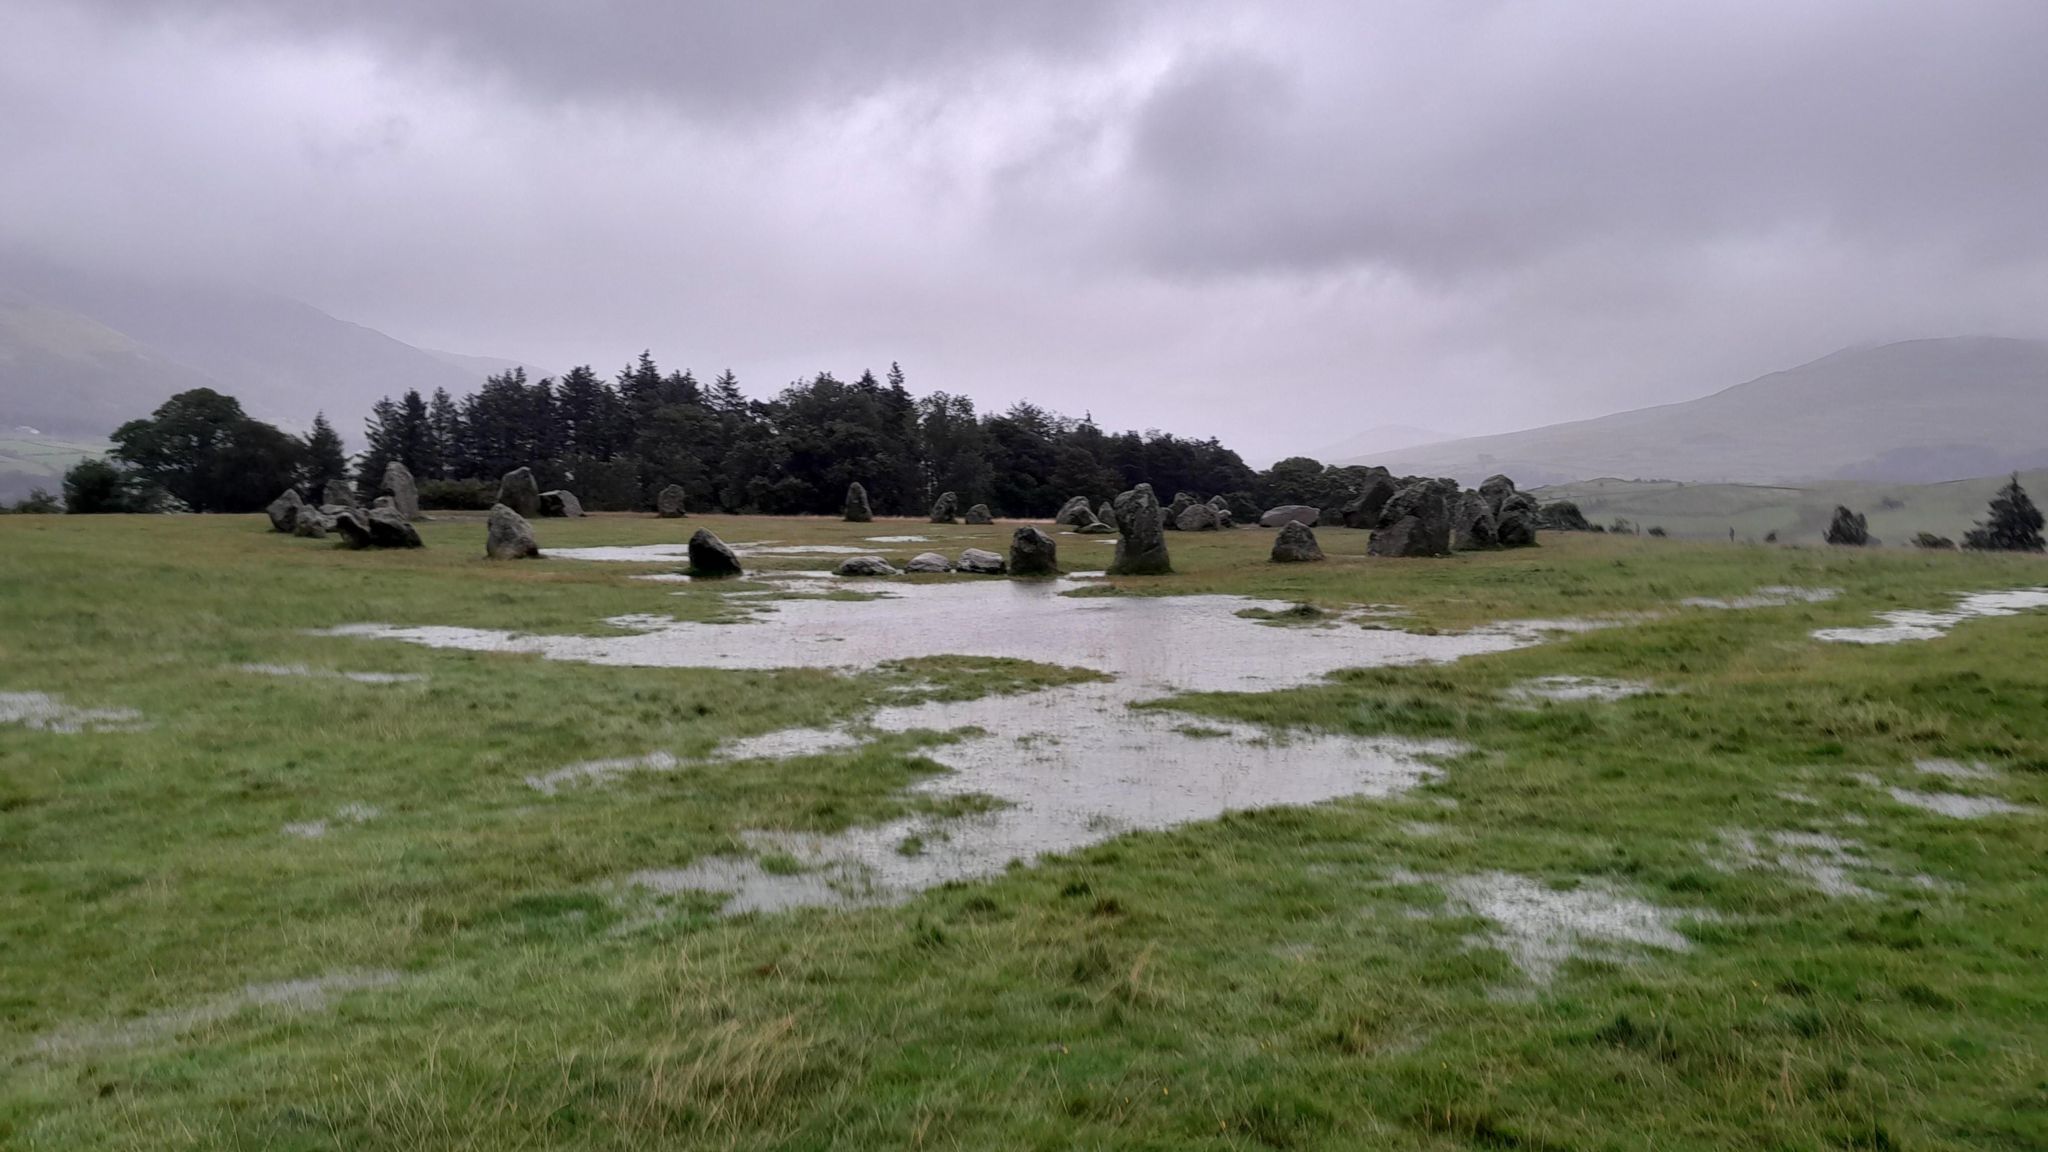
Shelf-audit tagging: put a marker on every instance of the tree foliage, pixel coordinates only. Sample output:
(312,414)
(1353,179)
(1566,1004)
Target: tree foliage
(200,447)
(94,487)
(2014,524)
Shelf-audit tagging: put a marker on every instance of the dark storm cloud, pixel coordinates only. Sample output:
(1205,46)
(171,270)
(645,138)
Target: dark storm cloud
(1466,215)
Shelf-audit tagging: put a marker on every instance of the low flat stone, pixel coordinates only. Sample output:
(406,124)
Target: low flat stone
(1290,514)
(928,562)
(866,566)
(982,562)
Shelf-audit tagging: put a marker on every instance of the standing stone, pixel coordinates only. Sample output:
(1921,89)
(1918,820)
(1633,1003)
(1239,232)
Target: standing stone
(1416,522)
(1074,513)
(857,509)
(384,502)
(1363,510)
(339,492)
(1182,501)
(1515,525)
(710,559)
(1472,524)
(1141,535)
(1033,553)
(947,510)
(1496,489)
(520,492)
(405,495)
(1219,503)
(672,502)
(1198,518)
(560,502)
(866,566)
(928,562)
(1296,544)
(510,536)
(1850,529)
(981,562)
(979,514)
(389,529)
(1290,514)
(284,511)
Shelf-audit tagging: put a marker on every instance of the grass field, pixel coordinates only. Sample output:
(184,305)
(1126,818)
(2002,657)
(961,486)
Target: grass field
(307,912)
(1897,512)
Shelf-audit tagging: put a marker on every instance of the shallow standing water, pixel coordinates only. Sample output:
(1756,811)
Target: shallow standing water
(1070,766)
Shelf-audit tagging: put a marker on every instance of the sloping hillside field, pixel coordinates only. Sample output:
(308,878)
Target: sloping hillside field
(1610,843)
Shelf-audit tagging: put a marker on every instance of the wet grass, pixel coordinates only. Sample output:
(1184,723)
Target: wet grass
(1284,979)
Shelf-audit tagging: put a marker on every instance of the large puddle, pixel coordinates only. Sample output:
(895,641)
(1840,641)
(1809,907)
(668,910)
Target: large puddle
(1917,625)
(46,713)
(1066,767)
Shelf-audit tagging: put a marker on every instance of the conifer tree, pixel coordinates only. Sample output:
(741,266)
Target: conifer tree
(2013,526)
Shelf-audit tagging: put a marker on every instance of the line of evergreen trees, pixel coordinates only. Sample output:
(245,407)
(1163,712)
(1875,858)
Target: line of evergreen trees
(616,443)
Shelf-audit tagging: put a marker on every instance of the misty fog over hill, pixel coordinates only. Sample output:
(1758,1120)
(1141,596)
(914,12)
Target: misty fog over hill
(1920,411)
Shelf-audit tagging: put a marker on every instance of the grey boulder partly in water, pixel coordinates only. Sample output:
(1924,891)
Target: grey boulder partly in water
(710,558)
(1141,535)
(509,536)
(866,566)
(1296,544)
(1033,553)
(672,503)
(520,492)
(981,562)
(1290,514)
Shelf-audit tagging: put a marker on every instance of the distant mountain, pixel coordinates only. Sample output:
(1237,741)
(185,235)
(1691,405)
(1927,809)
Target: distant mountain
(1921,411)
(81,352)
(1376,440)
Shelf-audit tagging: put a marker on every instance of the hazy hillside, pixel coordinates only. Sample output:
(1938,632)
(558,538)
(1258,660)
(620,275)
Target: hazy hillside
(1796,514)
(1919,411)
(80,353)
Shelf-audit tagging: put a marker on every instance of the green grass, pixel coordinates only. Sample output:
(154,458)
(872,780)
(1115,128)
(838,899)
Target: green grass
(1284,979)
(1897,512)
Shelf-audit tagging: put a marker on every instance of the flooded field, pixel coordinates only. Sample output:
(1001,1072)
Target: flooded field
(1901,626)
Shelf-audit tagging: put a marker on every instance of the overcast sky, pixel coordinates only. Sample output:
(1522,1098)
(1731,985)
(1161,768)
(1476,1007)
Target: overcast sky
(1279,223)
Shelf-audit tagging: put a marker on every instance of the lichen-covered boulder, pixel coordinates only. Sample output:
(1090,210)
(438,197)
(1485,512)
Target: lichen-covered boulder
(981,562)
(350,523)
(1472,524)
(520,492)
(284,511)
(311,523)
(1363,510)
(866,566)
(979,514)
(928,562)
(710,558)
(1496,489)
(560,502)
(1198,518)
(1141,535)
(1515,524)
(1563,516)
(1290,513)
(672,503)
(946,510)
(1033,553)
(1182,501)
(857,510)
(390,529)
(1074,513)
(509,536)
(339,492)
(399,486)
(1415,522)
(1296,544)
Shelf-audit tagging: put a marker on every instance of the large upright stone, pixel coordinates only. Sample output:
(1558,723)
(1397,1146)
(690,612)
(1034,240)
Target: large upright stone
(1849,529)
(1515,524)
(1296,544)
(857,509)
(1472,524)
(398,484)
(284,511)
(672,503)
(1363,510)
(710,558)
(1496,489)
(1033,553)
(1074,513)
(1141,535)
(1107,514)
(509,536)
(979,514)
(947,509)
(1416,522)
(560,502)
(1198,518)
(520,492)
(339,492)
(1290,514)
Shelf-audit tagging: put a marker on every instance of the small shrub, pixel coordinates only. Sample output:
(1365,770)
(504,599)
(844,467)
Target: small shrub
(1932,542)
(1657,530)
(37,503)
